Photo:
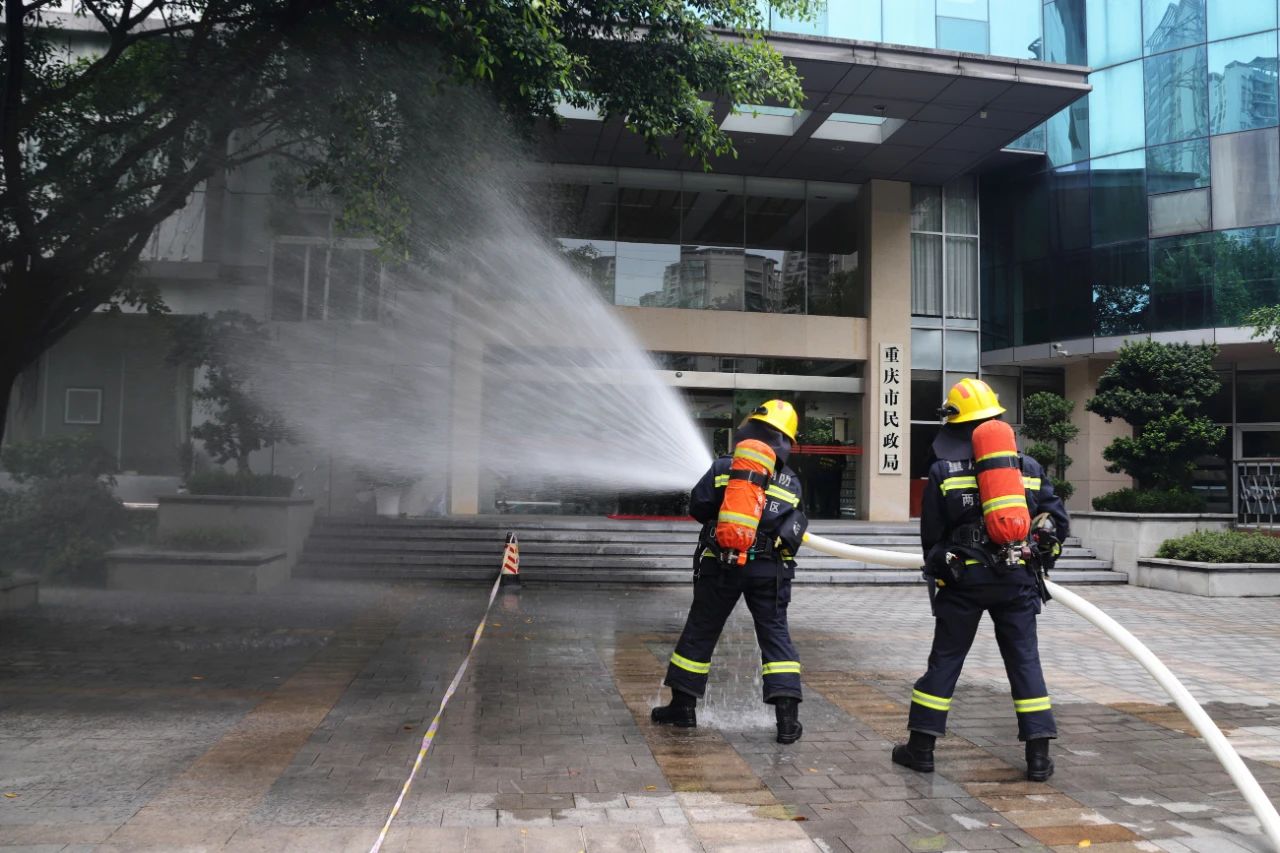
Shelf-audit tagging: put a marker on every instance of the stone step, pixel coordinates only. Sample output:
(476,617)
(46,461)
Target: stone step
(687,532)
(482,562)
(610,577)
(584,549)
(321,543)
(685,541)
(528,524)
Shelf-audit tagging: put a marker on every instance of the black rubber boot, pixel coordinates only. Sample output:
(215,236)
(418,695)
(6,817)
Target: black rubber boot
(787,712)
(916,753)
(679,712)
(1039,764)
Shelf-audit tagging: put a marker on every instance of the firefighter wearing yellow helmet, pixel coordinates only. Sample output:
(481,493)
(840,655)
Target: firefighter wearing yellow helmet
(780,415)
(967,579)
(971,400)
(758,566)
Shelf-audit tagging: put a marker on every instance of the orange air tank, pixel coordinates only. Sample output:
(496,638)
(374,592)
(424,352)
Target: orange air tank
(744,497)
(1000,487)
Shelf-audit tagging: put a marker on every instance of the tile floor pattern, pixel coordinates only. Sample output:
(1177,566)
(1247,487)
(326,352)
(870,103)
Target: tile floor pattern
(288,721)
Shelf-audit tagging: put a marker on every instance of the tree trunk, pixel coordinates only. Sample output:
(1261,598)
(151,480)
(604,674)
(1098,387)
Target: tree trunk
(8,379)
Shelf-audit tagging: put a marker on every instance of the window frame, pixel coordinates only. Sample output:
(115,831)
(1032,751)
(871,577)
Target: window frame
(329,245)
(66,406)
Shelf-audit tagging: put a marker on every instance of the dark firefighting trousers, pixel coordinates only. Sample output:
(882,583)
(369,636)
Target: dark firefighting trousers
(957,612)
(715,594)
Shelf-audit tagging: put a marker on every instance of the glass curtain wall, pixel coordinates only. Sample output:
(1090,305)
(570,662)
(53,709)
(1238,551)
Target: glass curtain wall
(997,27)
(944,302)
(717,242)
(1162,224)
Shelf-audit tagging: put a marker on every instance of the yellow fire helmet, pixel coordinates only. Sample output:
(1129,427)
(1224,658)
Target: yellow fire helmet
(970,400)
(778,414)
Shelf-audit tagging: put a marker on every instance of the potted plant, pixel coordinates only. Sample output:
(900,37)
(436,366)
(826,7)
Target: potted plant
(229,493)
(388,488)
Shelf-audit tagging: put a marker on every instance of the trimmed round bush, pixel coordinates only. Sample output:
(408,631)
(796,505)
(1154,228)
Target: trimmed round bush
(1222,546)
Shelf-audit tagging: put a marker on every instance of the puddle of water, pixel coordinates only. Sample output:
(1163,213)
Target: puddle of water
(1188,808)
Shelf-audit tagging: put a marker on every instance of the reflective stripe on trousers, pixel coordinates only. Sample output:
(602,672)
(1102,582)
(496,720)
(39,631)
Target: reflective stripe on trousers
(958,612)
(714,597)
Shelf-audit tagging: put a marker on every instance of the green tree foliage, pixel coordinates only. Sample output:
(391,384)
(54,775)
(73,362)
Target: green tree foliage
(59,456)
(226,346)
(65,517)
(1266,323)
(1046,418)
(98,147)
(1120,309)
(1159,390)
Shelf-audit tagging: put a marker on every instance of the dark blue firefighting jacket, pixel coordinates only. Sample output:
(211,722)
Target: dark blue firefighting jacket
(951,500)
(783,519)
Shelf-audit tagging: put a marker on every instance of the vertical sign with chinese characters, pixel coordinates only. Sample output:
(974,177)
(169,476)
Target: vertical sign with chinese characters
(889,447)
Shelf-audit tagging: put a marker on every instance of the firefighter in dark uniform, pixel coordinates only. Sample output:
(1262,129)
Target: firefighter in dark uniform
(764,581)
(967,580)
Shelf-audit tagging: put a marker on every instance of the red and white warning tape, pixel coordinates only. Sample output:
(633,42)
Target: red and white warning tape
(511,555)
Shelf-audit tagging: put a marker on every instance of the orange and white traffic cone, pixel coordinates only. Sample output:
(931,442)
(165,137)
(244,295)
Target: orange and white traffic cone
(511,562)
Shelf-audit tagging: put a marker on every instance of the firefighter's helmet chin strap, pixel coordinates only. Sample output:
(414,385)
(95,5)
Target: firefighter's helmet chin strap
(948,411)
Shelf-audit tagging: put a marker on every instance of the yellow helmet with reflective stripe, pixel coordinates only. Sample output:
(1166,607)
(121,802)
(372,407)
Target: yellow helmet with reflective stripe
(778,414)
(970,400)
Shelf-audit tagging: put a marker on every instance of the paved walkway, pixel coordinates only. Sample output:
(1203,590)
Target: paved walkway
(288,721)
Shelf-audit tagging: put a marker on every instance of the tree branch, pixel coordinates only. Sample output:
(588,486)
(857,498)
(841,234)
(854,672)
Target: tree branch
(122,38)
(108,23)
(11,134)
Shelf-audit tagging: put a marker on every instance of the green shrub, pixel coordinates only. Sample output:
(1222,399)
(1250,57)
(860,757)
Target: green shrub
(61,528)
(1047,422)
(211,539)
(1149,500)
(60,456)
(1063,488)
(221,482)
(1222,546)
(1160,390)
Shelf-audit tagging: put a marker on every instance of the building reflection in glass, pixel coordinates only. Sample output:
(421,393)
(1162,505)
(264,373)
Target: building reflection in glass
(656,239)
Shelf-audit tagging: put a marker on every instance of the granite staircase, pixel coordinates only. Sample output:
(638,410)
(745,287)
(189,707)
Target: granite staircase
(597,550)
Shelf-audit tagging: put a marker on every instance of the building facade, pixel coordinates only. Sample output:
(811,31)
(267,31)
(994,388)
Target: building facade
(1004,187)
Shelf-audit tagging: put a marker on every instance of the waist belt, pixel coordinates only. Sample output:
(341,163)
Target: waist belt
(763,549)
(971,546)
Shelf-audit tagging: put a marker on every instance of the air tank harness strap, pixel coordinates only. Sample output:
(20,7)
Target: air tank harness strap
(761,480)
(991,463)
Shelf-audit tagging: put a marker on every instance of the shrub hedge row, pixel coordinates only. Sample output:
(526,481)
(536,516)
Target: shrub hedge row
(1222,546)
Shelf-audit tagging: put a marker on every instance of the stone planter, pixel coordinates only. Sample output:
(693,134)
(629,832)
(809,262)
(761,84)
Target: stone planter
(1126,537)
(18,593)
(1233,580)
(278,522)
(235,573)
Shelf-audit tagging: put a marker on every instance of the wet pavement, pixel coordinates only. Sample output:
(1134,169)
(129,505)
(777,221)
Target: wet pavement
(289,721)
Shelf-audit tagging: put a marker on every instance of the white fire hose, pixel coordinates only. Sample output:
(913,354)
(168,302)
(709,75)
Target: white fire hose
(1222,749)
